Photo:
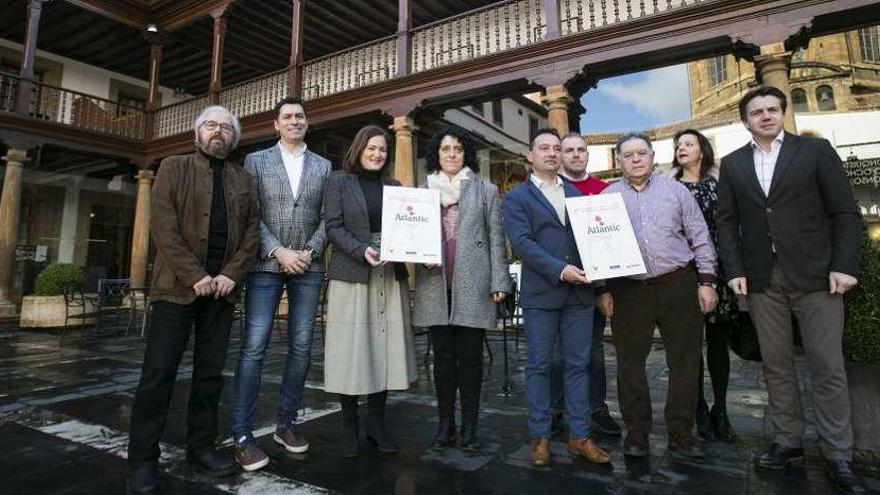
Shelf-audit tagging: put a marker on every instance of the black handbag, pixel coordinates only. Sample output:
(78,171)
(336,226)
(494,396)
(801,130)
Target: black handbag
(744,337)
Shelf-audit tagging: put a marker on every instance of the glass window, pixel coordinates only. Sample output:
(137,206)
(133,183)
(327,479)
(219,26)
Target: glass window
(717,70)
(497,113)
(799,100)
(825,98)
(869,39)
(477,108)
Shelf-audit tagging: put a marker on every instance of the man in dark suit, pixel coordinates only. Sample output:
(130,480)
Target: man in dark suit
(788,235)
(556,296)
(290,182)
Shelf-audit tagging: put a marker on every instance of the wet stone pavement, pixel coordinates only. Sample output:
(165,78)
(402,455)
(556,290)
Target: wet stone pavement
(64,416)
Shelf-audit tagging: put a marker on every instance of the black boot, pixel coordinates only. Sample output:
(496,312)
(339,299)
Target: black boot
(350,435)
(445,436)
(376,433)
(704,421)
(469,440)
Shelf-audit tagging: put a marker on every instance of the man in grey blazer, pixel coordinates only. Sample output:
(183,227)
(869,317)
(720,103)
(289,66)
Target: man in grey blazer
(290,182)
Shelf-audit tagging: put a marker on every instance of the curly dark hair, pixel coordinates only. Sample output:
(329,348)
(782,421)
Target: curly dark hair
(352,160)
(708,160)
(432,156)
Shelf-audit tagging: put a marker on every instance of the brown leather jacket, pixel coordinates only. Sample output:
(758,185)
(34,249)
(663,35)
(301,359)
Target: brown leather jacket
(181,211)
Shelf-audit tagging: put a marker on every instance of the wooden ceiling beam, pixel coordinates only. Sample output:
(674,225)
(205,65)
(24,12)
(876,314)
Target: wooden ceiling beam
(128,12)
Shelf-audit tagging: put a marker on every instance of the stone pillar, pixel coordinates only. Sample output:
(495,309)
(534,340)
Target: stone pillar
(404,41)
(140,239)
(404,150)
(10,207)
(69,220)
(772,68)
(557,101)
(29,49)
(219,16)
(294,78)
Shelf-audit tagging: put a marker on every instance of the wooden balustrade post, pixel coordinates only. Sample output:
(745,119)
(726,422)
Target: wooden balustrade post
(29,49)
(551,14)
(10,208)
(294,74)
(404,38)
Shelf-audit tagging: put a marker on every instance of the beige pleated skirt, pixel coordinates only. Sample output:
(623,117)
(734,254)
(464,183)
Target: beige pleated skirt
(368,344)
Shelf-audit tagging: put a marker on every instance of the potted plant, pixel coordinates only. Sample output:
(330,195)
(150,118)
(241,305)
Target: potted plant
(47,307)
(861,348)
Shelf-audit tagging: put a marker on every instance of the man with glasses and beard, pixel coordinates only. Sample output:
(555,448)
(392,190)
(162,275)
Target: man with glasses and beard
(206,226)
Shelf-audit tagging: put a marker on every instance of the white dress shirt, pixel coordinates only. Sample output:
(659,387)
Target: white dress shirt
(293,165)
(555,194)
(765,162)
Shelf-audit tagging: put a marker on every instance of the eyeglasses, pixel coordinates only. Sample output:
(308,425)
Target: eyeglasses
(629,155)
(212,126)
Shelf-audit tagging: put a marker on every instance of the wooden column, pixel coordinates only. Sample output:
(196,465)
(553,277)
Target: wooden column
(551,13)
(772,68)
(10,208)
(294,81)
(29,49)
(557,101)
(220,18)
(404,150)
(157,42)
(140,239)
(404,40)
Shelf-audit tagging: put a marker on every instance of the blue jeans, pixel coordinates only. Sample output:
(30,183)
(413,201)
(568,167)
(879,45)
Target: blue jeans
(263,294)
(543,327)
(596,371)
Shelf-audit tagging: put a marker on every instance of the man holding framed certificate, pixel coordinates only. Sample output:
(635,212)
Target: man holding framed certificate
(674,294)
(556,296)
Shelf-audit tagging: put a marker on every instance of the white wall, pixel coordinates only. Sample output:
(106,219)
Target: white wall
(513,135)
(91,80)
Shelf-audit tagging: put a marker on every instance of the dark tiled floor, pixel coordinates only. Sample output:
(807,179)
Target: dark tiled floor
(64,415)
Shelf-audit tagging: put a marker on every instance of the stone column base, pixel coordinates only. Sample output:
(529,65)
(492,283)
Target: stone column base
(8,310)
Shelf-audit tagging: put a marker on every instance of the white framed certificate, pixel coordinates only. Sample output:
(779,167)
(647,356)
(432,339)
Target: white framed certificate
(604,236)
(411,225)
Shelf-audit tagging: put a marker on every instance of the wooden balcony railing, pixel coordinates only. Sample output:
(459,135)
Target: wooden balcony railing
(63,106)
(502,26)
(363,65)
(255,95)
(177,118)
(481,32)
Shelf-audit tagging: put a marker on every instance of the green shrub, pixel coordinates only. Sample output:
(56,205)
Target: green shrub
(861,337)
(57,277)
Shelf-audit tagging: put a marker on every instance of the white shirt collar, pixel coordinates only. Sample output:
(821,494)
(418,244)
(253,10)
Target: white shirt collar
(777,140)
(538,182)
(295,154)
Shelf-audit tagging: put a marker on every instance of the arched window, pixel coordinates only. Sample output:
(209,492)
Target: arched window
(825,98)
(799,101)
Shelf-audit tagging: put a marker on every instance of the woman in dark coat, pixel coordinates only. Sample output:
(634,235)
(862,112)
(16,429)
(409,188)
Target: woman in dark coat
(368,344)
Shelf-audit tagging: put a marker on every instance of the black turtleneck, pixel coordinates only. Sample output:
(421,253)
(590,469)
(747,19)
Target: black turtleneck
(371,185)
(217,227)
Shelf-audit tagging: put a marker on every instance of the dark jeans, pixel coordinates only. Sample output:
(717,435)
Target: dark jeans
(596,371)
(672,306)
(168,338)
(458,365)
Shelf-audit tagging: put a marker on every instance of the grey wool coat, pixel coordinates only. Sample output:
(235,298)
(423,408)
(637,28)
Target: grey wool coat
(481,265)
(294,221)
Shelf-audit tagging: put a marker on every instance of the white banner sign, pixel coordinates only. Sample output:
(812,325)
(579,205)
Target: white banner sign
(604,236)
(411,225)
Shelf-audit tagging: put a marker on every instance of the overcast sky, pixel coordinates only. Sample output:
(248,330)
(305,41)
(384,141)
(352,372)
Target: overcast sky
(636,102)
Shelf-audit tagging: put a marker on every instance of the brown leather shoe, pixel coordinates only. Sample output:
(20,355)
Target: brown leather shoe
(685,445)
(540,454)
(588,449)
